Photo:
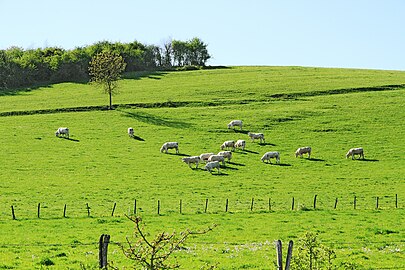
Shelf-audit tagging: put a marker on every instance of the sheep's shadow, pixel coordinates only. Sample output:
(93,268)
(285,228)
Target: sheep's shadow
(138,138)
(278,164)
(176,154)
(315,159)
(368,160)
(69,139)
(219,174)
(250,151)
(229,168)
(237,164)
(266,143)
(240,131)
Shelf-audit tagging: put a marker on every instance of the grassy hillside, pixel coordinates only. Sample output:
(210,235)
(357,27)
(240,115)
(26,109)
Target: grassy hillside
(100,165)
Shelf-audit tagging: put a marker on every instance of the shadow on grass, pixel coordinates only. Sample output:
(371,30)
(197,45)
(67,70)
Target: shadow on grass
(69,139)
(266,143)
(237,164)
(219,174)
(229,168)
(368,160)
(250,151)
(278,164)
(156,120)
(138,138)
(241,131)
(315,159)
(176,154)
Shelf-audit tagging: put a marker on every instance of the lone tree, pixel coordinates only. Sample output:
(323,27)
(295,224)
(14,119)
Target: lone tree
(105,69)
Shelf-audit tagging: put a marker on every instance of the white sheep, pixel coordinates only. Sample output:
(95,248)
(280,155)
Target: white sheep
(131,132)
(226,154)
(267,156)
(355,151)
(204,157)
(234,123)
(228,144)
(254,136)
(303,150)
(170,145)
(218,158)
(212,165)
(192,159)
(240,144)
(62,131)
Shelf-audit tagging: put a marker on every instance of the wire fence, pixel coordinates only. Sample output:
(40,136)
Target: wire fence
(207,206)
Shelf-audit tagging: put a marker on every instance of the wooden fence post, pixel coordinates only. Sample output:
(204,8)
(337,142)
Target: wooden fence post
(251,205)
(64,211)
(396,200)
(354,202)
(135,207)
(39,210)
(376,207)
(269,204)
(112,213)
(12,212)
(103,248)
(279,255)
(206,205)
(181,202)
(315,201)
(336,201)
(292,205)
(158,207)
(226,206)
(88,209)
(289,255)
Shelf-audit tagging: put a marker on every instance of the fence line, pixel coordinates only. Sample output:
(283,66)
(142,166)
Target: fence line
(230,206)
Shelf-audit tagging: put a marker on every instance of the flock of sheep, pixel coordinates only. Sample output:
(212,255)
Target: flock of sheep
(213,161)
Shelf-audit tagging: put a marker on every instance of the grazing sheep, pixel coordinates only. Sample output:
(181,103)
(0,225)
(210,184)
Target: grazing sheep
(254,136)
(240,144)
(192,159)
(226,154)
(212,165)
(218,158)
(228,144)
(270,155)
(204,157)
(234,123)
(131,132)
(170,145)
(303,150)
(355,151)
(62,131)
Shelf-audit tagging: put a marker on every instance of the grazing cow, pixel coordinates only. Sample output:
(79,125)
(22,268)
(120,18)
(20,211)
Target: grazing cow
(218,158)
(62,131)
(170,145)
(131,132)
(240,144)
(303,150)
(254,136)
(234,123)
(228,144)
(192,159)
(226,154)
(212,165)
(270,155)
(355,151)
(204,157)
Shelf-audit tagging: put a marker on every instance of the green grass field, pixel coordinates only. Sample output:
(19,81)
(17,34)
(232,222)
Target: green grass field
(330,110)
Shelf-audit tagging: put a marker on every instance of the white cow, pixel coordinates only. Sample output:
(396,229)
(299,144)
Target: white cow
(270,155)
(170,145)
(355,151)
(204,157)
(212,165)
(234,123)
(240,144)
(62,131)
(226,154)
(228,144)
(218,158)
(254,136)
(303,150)
(192,159)
(131,132)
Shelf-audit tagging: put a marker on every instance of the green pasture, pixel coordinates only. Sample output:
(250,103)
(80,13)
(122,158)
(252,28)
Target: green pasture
(100,165)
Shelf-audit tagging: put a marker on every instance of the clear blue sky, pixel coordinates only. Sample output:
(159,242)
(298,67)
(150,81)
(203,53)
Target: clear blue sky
(322,33)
